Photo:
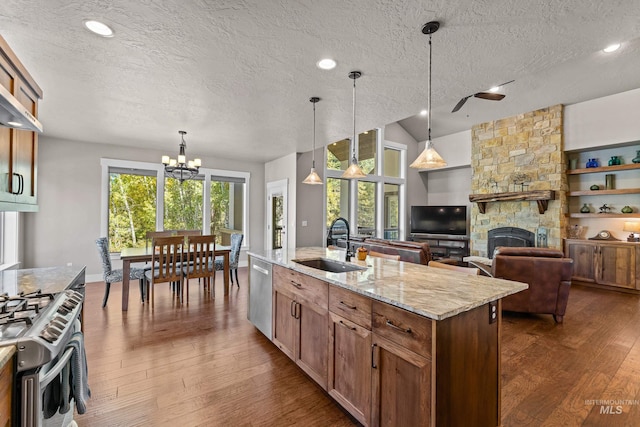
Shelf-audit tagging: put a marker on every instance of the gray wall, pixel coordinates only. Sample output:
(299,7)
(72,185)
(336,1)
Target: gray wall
(69,190)
(310,198)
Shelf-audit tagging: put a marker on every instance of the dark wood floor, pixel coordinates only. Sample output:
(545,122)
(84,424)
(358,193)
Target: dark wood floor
(205,364)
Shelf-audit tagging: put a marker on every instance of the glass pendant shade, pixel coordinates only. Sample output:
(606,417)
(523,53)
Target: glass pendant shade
(429,158)
(313,178)
(354,171)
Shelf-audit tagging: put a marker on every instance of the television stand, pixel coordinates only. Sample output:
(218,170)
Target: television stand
(444,245)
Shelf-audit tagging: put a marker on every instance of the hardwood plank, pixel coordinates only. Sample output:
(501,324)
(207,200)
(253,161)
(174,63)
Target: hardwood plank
(205,364)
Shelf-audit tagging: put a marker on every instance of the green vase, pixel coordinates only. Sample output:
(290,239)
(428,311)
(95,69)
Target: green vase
(585,209)
(637,158)
(626,209)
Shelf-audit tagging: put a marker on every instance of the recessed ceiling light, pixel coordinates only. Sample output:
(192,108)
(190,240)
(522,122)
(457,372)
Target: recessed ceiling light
(612,48)
(326,64)
(98,28)
(423,112)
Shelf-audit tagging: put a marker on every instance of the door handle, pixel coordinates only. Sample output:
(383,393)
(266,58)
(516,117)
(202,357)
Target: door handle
(292,309)
(373,350)
(21,189)
(15,176)
(297,311)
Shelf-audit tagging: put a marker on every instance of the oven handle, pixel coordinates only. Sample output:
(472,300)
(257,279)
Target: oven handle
(62,362)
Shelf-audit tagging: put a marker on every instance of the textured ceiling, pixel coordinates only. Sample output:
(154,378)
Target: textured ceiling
(237,74)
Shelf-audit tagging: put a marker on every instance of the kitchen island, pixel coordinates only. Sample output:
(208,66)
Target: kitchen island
(394,343)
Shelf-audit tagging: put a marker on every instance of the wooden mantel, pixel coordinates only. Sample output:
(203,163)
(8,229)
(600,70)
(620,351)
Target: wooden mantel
(540,196)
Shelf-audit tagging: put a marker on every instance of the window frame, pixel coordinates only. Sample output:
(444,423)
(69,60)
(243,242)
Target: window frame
(108,164)
(379,179)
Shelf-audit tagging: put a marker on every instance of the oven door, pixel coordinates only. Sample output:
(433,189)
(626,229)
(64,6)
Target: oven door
(33,387)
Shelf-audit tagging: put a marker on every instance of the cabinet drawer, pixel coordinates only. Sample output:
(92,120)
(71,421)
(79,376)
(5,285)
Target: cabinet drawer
(403,328)
(351,306)
(304,287)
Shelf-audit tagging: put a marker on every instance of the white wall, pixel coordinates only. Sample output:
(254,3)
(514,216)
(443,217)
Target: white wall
(604,121)
(275,170)
(69,181)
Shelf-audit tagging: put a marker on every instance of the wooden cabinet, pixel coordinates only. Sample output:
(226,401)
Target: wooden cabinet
(350,352)
(605,263)
(401,380)
(300,316)
(385,365)
(18,148)
(6,391)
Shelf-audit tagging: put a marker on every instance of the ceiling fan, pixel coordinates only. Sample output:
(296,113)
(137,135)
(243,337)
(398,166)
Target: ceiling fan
(483,95)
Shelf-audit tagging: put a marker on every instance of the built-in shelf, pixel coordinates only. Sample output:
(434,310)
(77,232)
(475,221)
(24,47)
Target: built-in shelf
(542,197)
(603,215)
(604,169)
(601,192)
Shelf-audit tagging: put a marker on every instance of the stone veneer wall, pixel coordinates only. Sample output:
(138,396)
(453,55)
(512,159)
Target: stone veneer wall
(531,144)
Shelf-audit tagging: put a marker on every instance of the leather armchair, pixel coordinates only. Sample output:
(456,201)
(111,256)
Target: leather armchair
(546,271)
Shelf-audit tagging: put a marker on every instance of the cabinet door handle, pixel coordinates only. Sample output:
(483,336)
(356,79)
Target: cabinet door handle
(292,309)
(373,351)
(297,285)
(297,316)
(347,326)
(15,176)
(352,307)
(390,324)
(21,190)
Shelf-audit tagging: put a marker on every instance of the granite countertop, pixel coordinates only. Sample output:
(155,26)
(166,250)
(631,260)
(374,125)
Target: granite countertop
(431,292)
(49,280)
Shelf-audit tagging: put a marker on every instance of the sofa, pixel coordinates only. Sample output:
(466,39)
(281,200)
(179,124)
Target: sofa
(546,271)
(415,252)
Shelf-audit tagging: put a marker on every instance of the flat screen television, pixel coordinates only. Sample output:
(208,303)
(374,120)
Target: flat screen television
(439,220)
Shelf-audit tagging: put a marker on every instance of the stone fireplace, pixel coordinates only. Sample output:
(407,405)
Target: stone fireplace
(519,154)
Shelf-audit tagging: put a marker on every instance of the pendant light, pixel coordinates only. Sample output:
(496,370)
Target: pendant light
(313,177)
(354,171)
(429,158)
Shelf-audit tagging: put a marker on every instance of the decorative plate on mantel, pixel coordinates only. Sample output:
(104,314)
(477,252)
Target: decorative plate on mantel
(603,235)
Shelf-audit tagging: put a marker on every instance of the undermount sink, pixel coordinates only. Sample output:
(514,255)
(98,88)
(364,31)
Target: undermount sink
(329,265)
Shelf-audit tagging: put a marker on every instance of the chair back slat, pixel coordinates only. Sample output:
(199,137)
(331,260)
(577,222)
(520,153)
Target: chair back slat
(167,255)
(202,250)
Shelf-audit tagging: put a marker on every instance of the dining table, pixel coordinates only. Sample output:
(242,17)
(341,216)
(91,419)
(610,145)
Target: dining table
(143,254)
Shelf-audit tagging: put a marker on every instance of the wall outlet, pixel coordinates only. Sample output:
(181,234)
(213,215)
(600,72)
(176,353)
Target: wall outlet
(69,264)
(493,312)
(304,223)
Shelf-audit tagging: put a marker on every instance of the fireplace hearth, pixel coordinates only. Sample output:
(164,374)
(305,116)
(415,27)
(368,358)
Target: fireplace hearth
(509,236)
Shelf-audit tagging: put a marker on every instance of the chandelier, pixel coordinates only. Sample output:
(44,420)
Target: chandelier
(429,158)
(181,169)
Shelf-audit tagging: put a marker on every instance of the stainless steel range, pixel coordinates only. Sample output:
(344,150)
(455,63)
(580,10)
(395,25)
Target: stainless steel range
(41,314)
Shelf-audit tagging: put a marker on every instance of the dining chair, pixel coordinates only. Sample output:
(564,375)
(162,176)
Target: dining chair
(201,251)
(153,234)
(234,256)
(111,276)
(381,255)
(167,261)
(468,270)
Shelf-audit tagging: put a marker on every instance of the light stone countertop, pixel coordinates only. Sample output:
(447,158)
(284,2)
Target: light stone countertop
(48,280)
(431,292)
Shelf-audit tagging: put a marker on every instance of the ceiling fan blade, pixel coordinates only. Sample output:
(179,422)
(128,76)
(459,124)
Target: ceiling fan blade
(490,96)
(460,104)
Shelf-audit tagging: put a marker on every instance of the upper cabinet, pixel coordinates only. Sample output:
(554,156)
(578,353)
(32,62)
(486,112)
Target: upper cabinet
(19,96)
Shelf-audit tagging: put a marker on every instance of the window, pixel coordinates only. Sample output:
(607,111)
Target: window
(132,208)
(337,199)
(366,225)
(183,204)
(137,197)
(375,204)
(227,208)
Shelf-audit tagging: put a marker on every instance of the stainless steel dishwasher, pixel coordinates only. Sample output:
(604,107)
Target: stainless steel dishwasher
(260,298)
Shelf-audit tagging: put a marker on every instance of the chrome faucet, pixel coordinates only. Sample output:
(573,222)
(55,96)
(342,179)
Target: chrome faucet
(348,253)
